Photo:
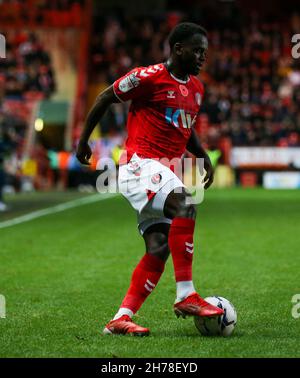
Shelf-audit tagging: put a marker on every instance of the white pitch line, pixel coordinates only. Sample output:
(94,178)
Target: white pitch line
(55,209)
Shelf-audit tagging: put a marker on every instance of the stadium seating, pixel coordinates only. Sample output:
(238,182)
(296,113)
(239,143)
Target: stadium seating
(252,82)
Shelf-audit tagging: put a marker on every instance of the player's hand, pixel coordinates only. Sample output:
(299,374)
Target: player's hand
(209,175)
(84,153)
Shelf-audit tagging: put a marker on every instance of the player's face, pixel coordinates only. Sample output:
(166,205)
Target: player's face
(193,54)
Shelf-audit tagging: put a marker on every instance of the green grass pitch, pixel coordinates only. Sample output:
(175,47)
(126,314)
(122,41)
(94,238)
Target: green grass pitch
(64,276)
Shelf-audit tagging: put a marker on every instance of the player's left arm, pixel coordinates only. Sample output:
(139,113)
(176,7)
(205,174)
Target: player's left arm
(195,148)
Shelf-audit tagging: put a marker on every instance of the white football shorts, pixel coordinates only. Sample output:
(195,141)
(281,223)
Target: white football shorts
(146,183)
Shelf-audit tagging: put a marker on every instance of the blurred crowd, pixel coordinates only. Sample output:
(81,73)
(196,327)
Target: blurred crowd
(252,82)
(253,86)
(55,13)
(27,69)
(26,75)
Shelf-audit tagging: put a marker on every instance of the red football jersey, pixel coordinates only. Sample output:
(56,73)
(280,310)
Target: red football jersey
(162,111)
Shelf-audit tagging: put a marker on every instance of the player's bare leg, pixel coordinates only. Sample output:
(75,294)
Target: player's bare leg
(144,279)
(181,244)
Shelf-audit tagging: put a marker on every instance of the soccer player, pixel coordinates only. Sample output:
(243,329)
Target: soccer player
(165,101)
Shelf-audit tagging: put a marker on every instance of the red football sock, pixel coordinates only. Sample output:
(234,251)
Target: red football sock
(182,247)
(144,279)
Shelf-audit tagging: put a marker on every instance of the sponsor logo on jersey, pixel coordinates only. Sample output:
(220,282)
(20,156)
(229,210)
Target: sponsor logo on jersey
(129,82)
(171,94)
(172,116)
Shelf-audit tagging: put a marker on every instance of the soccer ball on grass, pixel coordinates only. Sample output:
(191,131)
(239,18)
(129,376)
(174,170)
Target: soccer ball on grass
(221,325)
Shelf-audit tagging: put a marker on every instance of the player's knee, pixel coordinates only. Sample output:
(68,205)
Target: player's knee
(162,252)
(158,246)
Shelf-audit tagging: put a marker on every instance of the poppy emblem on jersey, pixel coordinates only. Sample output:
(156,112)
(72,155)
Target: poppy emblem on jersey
(198,98)
(171,94)
(156,179)
(129,82)
(184,91)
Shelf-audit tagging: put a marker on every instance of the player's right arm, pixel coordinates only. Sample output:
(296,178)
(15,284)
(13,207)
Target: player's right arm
(134,85)
(102,103)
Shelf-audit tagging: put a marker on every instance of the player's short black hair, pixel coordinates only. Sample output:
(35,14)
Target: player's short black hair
(184,31)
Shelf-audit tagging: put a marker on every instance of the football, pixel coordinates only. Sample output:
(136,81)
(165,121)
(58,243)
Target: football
(218,326)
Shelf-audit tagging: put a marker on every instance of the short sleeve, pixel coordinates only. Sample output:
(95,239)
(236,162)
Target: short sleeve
(134,84)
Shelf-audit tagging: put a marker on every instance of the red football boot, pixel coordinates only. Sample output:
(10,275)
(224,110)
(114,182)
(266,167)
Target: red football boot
(123,326)
(194,305)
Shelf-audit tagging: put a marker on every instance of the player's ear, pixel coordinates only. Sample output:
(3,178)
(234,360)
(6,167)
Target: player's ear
(178,48)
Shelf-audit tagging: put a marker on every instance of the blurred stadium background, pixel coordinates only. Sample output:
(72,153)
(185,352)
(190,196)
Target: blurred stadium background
(59,55)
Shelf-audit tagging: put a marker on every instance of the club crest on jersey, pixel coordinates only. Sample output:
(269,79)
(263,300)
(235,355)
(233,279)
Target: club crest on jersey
(129,82)
(172,116)
(156,179)
(171,94)
(198,98)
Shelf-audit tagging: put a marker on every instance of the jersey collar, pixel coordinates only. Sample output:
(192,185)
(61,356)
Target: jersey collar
(179,80)
(176,78)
